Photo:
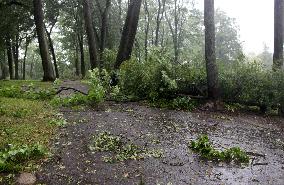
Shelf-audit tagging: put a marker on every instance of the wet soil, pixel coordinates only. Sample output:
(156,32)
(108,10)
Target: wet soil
(170,131)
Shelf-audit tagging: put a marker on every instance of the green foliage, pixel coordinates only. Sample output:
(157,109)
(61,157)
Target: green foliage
(206,150)
(250,82)
(73,100)
(105,142)
(184,103)
(27,92)
(14,159)
(152,79)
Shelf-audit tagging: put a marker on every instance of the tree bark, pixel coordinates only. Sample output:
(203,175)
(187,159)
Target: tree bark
(25,57)
(210,57)
(46,63)
(278,34)
(147,20)
(104,28)
(10,57)
(82,55)
(161,10)
(16,56)
(90,33)
(51,47)
(128,33)
(77,65)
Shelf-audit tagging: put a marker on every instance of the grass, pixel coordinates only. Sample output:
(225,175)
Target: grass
(27,123)
(19,83)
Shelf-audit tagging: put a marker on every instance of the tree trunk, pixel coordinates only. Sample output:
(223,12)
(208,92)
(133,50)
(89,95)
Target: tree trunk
(128,33)
(16,56)
(77,65)
(104,30)
(3,66)
(90,33)
(210,57)
(82,55)
(10,57)
(161,10)
(51,47)
(25,57)
(278,34)
(147,20)
(46,63)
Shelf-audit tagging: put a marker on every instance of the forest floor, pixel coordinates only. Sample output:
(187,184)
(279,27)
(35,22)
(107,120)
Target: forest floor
(169,131)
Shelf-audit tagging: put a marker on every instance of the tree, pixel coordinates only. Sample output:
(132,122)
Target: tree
(10,57)
(278,34)
(46,63)
(90,33)
(128,33)
(52,14)
(210,57)
(228,45)
(104,14)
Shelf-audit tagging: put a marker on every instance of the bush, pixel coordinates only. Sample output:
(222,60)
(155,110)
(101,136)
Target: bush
(249,82)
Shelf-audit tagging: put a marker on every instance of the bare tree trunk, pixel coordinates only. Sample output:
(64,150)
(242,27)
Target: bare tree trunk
(128,33)
(25,57)
(10,57)
(211,67)
(161,10)
(51,47)
(278,34)
(46,63)
(15,49)
(90,33)
(147,20)
(104,27)
(77,65)
(82,55)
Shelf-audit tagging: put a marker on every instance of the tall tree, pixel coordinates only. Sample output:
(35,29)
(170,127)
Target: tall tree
(104,14)
(278,34)
(210,57)
(90,33)
(46,63)
(128,33)
(10,57)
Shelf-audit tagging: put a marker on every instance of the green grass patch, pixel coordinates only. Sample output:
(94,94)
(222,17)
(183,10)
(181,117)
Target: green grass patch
(206,150)
(25,122)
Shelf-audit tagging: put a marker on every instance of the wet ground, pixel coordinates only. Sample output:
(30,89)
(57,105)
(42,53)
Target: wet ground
(170,131)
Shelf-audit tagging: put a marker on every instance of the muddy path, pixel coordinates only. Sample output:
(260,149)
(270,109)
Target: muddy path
(169,131)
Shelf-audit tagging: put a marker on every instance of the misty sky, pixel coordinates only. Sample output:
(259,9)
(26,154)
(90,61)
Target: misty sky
(255,18)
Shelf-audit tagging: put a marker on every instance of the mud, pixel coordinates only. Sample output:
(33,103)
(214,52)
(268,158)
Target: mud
(170,131)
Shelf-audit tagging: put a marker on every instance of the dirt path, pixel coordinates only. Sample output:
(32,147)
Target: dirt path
(169,131)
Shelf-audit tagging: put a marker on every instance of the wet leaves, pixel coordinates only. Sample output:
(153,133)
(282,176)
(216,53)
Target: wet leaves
(105,142)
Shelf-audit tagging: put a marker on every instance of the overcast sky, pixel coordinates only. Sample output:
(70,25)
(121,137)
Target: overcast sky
(255,18)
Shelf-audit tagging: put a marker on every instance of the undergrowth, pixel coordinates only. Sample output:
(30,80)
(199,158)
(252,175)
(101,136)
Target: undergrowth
(207,151)
(105,142)
(15,158)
